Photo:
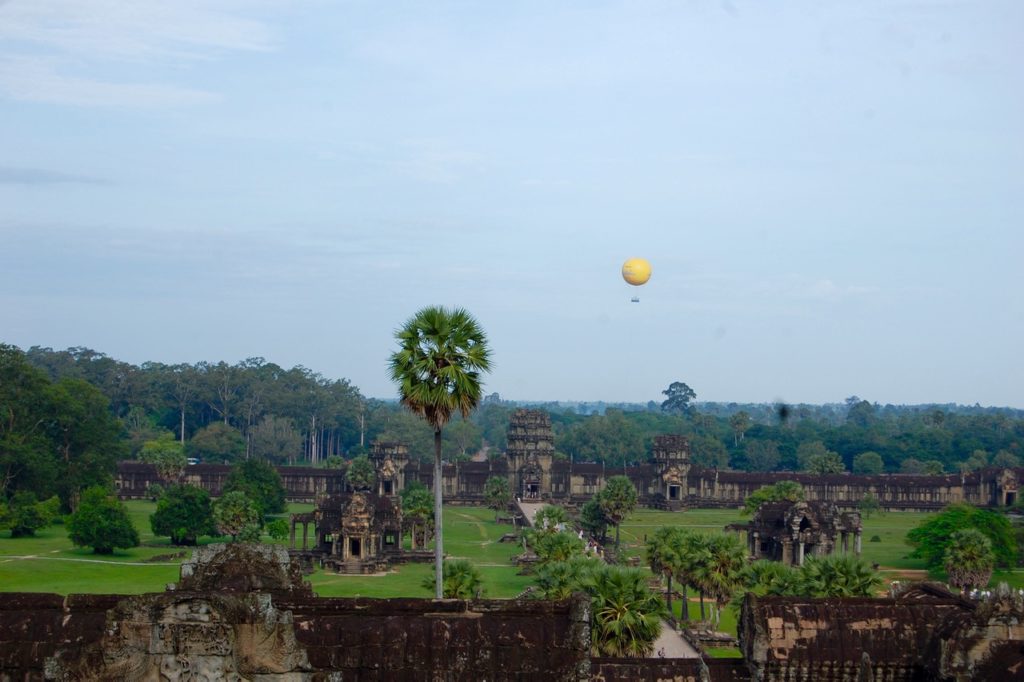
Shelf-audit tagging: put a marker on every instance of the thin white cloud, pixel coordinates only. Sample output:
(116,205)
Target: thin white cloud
(69,52)
(133,28)
(38,80)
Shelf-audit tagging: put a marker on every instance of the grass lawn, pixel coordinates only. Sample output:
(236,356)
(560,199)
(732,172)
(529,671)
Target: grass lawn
(50,563)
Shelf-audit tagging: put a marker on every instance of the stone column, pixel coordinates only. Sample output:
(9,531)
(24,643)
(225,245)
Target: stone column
(856,543)
(800,556)
(787,552)
(757,545)
(305,532)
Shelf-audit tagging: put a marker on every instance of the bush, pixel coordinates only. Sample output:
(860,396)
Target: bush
(278,529)
(24,515)
(875,538)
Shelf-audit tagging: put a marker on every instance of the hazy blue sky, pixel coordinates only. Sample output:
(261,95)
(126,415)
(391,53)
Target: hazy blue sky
(831,193)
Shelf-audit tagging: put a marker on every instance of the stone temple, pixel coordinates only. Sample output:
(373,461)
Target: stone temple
(668,481)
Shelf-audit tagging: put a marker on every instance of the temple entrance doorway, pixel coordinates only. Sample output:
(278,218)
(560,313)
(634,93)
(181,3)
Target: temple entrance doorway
(673,492)
(1011,498)
(354,548)
(531,490)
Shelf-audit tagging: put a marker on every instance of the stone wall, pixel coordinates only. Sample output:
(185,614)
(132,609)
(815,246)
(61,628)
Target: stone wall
(242,612)
(925,634)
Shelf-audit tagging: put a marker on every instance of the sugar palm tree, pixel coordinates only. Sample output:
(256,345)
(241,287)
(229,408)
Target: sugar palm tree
(437,366)
(626,614)
(720,574)
(664,557)
(838,575)
(969,559)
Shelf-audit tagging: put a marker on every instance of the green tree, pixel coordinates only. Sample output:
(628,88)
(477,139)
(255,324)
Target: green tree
(217,443)
(837,575)
(276,439)
(931,538)
(184,512)
(719,574)
(462,580)
(969,559)
(417,510)
(558,580)
(977,460)
(782,491)
(101,522)
(24,514)
(278,529)
(626,615)
(664,557)
(762,455)
(593,519)
(166,454)
(708,452)
(677,398)
(740,423)
(549,516)
(260,482)
(768,577)
(912,465)
(236,515)
(869,506)
(498,494)
(1004,459)
(618,499)
(868,464)
(441,356)
(361,474)
(555,546)
(826,463)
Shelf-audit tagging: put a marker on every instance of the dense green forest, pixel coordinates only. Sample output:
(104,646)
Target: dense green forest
(69,415)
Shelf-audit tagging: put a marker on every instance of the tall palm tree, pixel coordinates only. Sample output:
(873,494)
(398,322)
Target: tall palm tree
(720,574)
(663,557)
(969,559)
(437,366)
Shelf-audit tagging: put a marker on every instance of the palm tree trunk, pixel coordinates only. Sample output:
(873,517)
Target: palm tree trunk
(702,616)
(617,536)
(668,597)
(438,546)
(686,603)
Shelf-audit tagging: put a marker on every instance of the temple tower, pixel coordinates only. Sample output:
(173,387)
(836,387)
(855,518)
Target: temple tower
(389,459)
(672,462)
(531,447)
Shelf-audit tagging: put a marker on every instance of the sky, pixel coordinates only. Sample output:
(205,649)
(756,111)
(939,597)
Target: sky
(830,193)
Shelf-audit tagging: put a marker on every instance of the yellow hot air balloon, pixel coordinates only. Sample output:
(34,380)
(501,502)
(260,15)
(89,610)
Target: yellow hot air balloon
(636,271)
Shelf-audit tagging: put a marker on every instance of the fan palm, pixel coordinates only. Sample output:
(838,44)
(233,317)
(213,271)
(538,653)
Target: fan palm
(969,559)
(837,575)
(719,575)
(462,580)
(664,558)
(626,614)
(438,364)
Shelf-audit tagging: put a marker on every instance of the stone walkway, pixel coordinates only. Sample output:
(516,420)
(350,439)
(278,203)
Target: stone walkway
(672,644)
(529,510)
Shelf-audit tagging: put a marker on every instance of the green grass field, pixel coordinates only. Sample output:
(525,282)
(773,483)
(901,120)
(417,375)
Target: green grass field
(49,562)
